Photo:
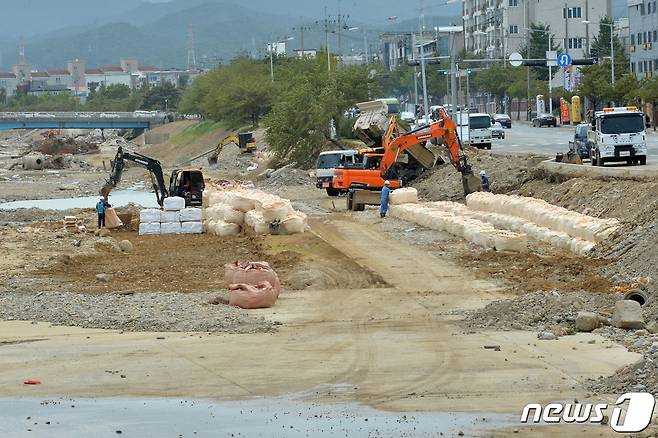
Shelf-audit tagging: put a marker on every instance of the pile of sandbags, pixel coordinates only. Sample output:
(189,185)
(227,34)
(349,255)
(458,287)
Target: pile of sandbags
(487,217)
(231,209)
(545,215)
(173,219)
(252,285)
(481,233)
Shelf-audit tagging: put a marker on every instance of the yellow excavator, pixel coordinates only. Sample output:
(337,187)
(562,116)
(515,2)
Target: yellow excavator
(244,140)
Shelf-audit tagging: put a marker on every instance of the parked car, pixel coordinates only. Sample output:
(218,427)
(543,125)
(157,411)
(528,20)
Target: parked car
(544,120)
(497,131)
(503,119)
(580,143)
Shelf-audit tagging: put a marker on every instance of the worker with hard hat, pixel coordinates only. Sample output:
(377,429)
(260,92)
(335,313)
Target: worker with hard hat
(383,205)
(484,181)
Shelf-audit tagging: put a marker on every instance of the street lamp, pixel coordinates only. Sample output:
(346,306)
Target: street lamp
(612,45)
(272,53)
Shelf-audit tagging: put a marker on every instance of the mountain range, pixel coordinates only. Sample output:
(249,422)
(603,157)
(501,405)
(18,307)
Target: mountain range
(157,31)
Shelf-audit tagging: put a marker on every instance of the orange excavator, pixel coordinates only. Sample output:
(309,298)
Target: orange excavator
(363,183)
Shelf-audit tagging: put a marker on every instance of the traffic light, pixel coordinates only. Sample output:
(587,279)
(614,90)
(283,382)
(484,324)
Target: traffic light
(416,63)
(469,71)
(587,61)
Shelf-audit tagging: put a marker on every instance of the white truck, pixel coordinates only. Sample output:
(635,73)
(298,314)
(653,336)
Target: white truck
(474,129)
(617,134)
(328,162)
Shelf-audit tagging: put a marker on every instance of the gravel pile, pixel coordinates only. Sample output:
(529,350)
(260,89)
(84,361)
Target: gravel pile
(540,311)
(159,312)
(642,376)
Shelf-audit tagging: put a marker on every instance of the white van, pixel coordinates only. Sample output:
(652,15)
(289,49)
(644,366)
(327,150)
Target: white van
(474,129)
(328,162)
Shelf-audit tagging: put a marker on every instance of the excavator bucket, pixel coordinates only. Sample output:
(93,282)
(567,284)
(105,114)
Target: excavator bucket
(471,183)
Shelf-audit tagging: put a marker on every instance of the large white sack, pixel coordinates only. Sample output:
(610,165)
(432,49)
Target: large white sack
(295,223)
(191,228)
(174,203)
(251,217)
(209,227)
(170,228)
(149,228)
(233,216)
(191,215)
(274,209)
(214,213)
(170,217)
(509,241)
(407,195)
(242,200)
(225,229)
(150,215)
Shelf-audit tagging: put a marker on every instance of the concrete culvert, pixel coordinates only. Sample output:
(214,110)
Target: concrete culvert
(637,295)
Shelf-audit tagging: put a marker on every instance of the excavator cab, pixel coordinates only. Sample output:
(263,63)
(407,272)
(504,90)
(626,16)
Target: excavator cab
(247,142)
(188,184)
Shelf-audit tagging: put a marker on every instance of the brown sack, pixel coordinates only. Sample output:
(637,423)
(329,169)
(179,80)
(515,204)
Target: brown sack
(251,273)
(111,219)
(249,296)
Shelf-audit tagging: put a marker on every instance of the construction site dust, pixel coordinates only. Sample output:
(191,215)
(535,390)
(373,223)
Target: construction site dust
(329,291)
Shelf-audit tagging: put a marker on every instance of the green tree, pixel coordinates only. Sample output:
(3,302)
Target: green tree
(601,47)
(161,97)
(494,80)
(537,46)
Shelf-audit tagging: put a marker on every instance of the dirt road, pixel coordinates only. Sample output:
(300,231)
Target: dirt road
(397,348)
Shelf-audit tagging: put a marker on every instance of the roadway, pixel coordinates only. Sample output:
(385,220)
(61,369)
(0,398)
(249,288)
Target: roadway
(549,141)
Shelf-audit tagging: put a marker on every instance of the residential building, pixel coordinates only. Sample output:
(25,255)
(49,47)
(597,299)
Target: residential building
(306,53)
(42,89)
(396,48)
(497,28)
(399,47)
(9,83)
(59,77)
(643,45)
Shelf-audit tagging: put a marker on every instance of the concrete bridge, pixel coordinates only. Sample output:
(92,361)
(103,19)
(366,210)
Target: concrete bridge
(79,120)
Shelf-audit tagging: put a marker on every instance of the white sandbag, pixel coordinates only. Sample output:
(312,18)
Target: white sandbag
(295,223)
(191,228)
(509,241)
(170,228)
(274,209)
(407,195)
(150,215)
(242,200)
(225,229)
(214,213)
(170,217)
(209,227)
(174,203)
(233,216)
(205,197)
(251,217)
(191,215)
(149,228)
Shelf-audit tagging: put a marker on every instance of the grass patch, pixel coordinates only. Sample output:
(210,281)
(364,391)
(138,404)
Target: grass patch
(196,131)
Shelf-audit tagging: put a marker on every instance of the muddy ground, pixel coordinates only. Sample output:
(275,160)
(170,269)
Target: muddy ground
(348,269)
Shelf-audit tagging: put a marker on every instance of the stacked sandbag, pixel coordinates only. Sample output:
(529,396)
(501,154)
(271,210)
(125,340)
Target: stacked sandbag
(407,195)
(149,222)
(173,219)
(73,224)
(545,215)
(478,232)
(251,285)
(250,209)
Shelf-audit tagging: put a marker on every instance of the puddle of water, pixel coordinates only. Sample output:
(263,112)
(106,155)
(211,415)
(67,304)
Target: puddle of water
(119,198)
(281,417)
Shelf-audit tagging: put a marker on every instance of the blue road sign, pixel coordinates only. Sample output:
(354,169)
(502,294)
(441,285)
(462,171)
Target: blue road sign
(564,60)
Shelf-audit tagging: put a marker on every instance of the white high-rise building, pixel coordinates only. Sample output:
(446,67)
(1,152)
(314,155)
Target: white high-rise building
(496,28)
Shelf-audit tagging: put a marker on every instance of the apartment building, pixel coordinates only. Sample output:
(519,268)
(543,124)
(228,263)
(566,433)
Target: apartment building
(496,28)
(643,40)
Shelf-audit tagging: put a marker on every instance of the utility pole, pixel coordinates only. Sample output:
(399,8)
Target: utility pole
(550,77)
(612,51)
(272,61)
(365,44)
(453,76)
(422,68)
(326,38)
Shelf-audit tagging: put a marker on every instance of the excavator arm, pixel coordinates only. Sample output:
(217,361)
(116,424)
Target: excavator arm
(152,165)
(445,129)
